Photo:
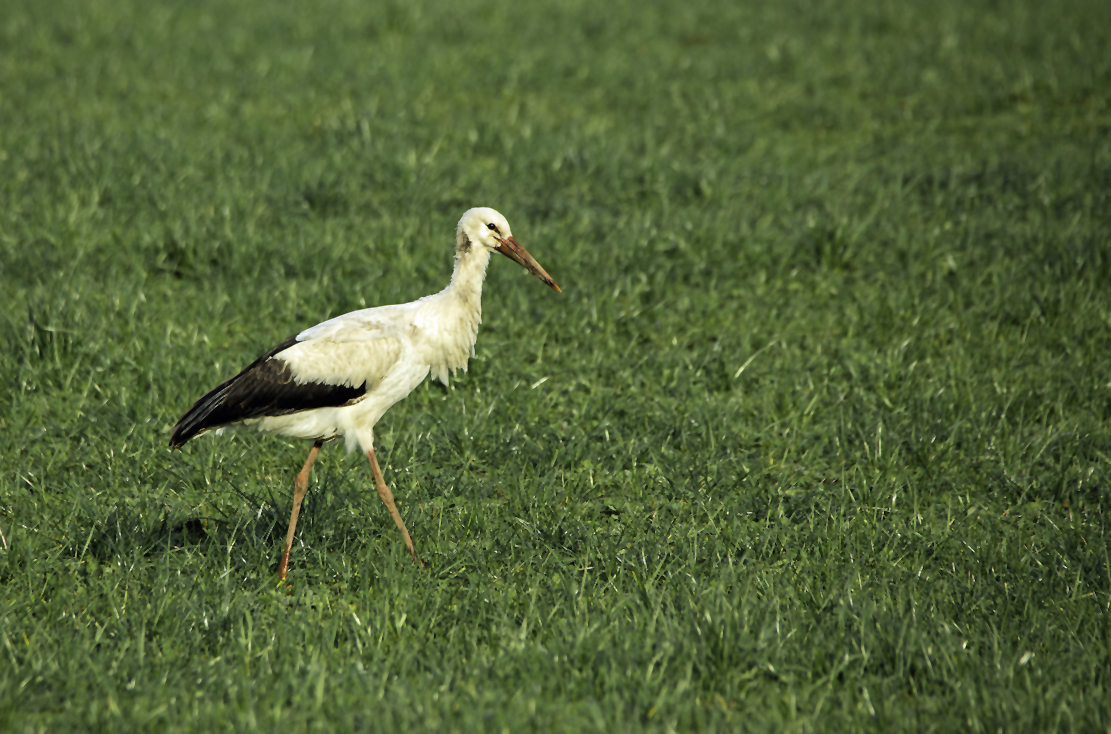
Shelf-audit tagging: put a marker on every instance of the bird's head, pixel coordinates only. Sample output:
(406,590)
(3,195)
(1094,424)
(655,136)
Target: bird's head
(485,227)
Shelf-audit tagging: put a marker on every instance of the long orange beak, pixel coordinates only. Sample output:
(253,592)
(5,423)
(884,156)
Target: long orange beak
(513,250)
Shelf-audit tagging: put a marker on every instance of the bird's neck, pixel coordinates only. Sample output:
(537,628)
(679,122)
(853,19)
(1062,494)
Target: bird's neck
(466,280)
(458,308)
(452,316)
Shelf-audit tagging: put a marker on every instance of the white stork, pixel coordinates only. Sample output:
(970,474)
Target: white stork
(339,377)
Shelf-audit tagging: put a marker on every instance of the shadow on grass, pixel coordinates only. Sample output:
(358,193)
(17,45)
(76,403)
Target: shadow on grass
(127,532)
(252,536)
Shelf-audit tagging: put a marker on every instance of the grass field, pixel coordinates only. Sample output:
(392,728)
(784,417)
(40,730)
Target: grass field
(818,436)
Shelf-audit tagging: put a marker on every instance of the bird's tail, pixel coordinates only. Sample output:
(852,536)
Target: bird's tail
(264,387)
(200,418)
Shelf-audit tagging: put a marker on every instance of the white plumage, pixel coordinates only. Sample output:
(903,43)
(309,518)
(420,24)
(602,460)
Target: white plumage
(339,377)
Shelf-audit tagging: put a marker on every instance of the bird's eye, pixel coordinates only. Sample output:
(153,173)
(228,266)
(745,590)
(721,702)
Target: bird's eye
(493,227)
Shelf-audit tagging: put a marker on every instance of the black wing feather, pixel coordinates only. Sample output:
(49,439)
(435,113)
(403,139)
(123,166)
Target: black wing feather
(265,388)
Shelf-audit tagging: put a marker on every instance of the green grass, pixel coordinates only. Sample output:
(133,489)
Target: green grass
(818,436)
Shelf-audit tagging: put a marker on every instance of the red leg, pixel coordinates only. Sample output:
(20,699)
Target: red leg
(299,488)
(387,498)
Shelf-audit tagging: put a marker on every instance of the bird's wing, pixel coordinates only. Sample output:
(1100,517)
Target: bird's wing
(331,365)
(363,360)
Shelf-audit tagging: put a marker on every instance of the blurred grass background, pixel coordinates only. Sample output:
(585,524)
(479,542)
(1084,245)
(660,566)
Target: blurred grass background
(816,437)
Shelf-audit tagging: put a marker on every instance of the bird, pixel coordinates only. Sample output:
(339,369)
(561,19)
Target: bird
(338,378)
